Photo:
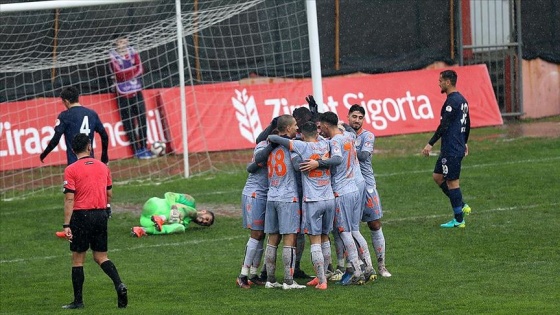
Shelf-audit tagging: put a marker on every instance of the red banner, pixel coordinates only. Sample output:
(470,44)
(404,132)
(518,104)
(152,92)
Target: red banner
(229,116)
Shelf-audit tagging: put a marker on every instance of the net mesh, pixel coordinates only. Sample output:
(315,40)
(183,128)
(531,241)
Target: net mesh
(42,51)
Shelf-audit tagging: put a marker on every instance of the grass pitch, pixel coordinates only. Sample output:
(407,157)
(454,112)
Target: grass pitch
(506,261)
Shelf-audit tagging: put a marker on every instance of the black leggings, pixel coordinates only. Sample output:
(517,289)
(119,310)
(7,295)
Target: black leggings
(130,109)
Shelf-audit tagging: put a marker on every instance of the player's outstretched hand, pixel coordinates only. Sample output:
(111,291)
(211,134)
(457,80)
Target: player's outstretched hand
(312,104)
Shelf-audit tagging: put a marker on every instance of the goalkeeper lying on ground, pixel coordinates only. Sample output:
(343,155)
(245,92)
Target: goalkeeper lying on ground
(171,214)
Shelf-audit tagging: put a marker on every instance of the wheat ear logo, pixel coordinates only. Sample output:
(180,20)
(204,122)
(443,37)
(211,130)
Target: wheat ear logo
(247,115)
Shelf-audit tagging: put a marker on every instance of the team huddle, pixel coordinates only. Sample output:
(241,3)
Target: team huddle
(312,175)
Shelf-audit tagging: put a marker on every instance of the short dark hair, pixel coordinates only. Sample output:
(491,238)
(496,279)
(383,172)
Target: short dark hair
(329,118)
(357,108)
(449,75)
(283,122)
(80,143)
(206,224)
(309,129)
(302,113)
(212,214)
(70,94)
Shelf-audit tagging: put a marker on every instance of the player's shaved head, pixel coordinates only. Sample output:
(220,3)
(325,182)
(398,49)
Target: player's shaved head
(284,122)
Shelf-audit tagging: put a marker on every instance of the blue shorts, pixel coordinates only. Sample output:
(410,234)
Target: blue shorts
(282,217)
(253,210)
(317,217)
(372,209)
(449,166)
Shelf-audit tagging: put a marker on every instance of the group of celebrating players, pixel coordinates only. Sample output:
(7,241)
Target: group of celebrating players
(312,174)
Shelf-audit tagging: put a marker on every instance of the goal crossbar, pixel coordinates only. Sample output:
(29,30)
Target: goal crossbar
(59,4)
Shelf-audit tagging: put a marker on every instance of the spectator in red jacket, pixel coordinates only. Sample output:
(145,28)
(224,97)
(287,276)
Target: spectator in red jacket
(127,71)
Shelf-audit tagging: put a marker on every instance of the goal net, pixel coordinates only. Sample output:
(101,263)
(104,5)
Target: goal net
(244,62)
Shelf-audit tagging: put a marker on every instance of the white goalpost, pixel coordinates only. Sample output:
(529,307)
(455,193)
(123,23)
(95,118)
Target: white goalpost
(215,73)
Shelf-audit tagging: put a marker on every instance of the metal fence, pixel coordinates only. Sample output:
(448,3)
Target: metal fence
(489,32)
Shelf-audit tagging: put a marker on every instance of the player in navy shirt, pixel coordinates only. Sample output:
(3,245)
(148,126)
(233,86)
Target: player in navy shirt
(453,129)
(76,119)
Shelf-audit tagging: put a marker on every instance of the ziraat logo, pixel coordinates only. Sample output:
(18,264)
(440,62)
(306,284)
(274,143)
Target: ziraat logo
(247,115)
(34,139)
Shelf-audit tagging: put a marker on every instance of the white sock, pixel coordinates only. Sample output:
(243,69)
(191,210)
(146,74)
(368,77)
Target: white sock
(378,241)
(318,262)
(270,261)
(363,249)
(250,250)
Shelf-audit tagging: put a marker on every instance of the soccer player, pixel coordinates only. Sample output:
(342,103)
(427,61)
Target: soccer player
(87,191)
(127,71)
(171,214)
(74,120)
(253,203)
(318,198)
(372,211)
(348,213)
(453,129)
(301,115)
(282,218)
(361,243)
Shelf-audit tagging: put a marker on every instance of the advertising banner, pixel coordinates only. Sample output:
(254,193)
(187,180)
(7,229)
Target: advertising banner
(230,116)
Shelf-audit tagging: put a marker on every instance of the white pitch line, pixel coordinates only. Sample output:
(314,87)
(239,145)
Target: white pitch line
(427,171)
(473,166)
(176,244)
(195,242)
(475,212)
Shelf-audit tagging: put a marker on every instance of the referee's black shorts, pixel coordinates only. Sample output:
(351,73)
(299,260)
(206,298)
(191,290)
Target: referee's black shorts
(89,230)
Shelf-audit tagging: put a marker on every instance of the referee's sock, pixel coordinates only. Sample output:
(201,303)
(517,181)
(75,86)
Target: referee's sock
(78,283)
(111,270)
